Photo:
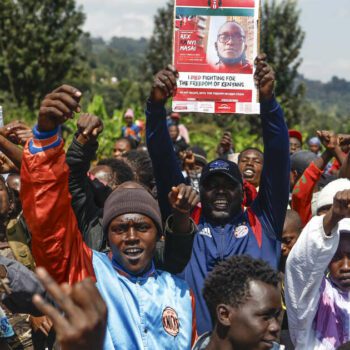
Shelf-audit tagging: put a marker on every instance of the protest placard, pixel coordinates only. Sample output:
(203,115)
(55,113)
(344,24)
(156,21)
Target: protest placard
(215,44)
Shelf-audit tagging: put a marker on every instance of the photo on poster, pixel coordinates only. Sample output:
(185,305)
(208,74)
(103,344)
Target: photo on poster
(214,51)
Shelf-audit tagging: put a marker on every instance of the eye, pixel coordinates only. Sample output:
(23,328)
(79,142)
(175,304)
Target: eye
(143,227)
(118,229)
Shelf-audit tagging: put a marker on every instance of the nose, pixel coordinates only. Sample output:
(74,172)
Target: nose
(274,326)
(345,264)
(131,236)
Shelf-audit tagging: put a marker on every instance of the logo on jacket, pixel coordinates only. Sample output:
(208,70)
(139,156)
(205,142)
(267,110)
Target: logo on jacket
(205,232)
(241,231)
(170,321)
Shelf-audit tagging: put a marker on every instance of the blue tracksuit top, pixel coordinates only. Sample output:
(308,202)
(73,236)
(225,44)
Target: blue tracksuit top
(267,213)
(149,312)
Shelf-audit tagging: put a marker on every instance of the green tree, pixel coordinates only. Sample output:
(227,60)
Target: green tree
(38,47)
(281,39)
(159,51)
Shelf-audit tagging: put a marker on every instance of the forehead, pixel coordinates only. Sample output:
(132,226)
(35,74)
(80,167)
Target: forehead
(231,27)
(132,217)
(100,169)
(344,242)
(251,153)
(294,140)
(121,143)
(263,296)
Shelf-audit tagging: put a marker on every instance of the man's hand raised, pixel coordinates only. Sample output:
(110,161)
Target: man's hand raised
(58,106)
(264,78)
(164,84)
(89,127)
(183,198)
(328,139)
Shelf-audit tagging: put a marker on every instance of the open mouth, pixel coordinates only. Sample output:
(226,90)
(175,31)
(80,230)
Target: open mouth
(221,204)
(133,253)
(248,173)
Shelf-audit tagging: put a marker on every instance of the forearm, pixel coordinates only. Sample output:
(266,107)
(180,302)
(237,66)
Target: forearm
(344,171)
(56,240)
(339,155)
(323,160)
(165,166)
(305,271)
(13,152)
(274,187)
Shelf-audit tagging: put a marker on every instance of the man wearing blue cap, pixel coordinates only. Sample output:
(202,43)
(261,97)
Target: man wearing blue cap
(315,145)
(225,228)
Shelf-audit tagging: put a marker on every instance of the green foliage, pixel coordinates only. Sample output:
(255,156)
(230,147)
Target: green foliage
(282,39)
(37,47)
(159,52)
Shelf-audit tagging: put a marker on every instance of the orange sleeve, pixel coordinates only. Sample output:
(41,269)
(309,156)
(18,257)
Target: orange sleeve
(194,321)
(56,241)
(303,190)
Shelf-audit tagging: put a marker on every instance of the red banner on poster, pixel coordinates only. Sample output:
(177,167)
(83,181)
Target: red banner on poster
(215,44)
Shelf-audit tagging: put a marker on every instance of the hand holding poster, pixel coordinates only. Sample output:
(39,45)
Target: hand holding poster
(215,44)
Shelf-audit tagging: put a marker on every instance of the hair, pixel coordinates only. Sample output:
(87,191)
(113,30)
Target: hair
(131,141)
(293,216)
(121,170)
(228,283)
(251,149)
(141,163)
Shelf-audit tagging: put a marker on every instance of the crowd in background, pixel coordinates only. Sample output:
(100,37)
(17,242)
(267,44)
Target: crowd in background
(157,247)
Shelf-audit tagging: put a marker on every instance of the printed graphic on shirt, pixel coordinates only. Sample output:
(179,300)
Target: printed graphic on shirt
(170,321)
(205,232)
(241,231)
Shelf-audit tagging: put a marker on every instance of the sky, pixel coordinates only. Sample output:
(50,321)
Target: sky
(326,49)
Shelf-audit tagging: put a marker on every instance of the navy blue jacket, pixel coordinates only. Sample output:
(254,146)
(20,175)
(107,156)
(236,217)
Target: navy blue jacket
(255,232)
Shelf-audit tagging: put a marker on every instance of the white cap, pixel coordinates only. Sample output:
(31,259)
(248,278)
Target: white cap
(327,194)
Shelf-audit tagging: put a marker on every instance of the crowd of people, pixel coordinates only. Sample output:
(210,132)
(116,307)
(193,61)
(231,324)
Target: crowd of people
(154,246)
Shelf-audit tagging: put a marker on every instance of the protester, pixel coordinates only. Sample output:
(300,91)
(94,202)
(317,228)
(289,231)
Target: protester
(179,142)
(250,163)
(131,130)
(295,141)
(154,306)
(175,118)
(315,145)
(224,229)
(317,278)
(244,300)
(123,145)
(231,49)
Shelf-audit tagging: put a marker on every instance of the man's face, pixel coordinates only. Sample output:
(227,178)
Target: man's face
(173,132)
(121,147)
(104,174)
(294,145)
(339,267)
(251,165)
(128,120)
(14,182)
(230,44)
(255,324)
(133,238)
(221,198)
(314,148)
(290,235)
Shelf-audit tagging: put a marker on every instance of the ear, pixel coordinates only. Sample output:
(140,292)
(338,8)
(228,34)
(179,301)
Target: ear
(223,312)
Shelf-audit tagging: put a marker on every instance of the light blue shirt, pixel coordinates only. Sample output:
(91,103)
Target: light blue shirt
(150,312)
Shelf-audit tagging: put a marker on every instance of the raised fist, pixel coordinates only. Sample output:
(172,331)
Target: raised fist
(183,198)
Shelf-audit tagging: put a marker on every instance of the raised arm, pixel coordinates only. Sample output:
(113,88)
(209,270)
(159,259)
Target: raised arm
(271,203)
(56,241)
(307,263)
(79,155)
(165,165)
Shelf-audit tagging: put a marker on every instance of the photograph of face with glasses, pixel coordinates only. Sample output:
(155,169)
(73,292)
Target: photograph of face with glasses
(231,49)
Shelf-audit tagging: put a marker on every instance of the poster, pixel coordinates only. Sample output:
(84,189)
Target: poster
(215,44)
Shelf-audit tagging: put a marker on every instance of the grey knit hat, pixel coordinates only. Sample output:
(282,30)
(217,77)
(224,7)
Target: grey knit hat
(131,200)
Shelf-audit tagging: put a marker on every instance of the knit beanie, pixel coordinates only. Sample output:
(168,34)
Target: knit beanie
(128,201)
(327,194)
